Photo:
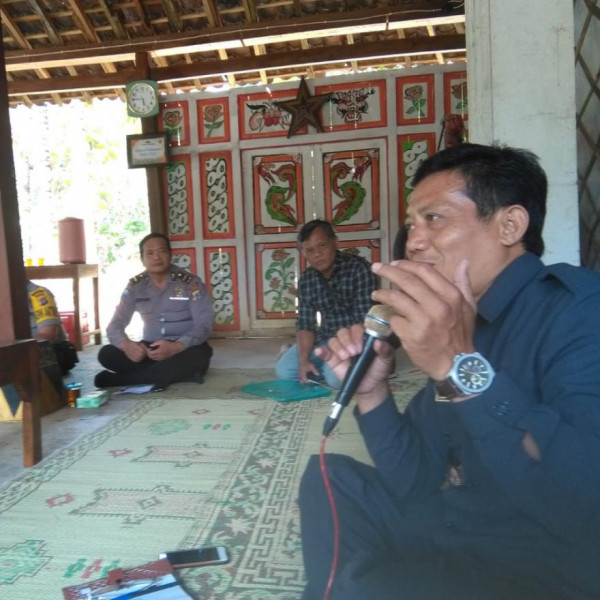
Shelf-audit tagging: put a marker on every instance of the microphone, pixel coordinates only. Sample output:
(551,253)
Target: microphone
(377,327)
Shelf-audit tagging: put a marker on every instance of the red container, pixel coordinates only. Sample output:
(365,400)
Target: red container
(68,318)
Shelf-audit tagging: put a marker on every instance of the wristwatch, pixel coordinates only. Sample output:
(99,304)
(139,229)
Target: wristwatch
(470,374)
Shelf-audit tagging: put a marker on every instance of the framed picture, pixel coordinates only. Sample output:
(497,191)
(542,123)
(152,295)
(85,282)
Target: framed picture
(414,100)
(213,120)
(147,150)
(260,117)
(456,99)
(174,119)
(354,105)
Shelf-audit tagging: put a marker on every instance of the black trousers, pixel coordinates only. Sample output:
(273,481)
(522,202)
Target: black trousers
(191,363)
(386,552)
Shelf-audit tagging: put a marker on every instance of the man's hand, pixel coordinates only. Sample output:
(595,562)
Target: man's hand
(134,351)
(347,344)
(304,368)
(162,349)
(434,318)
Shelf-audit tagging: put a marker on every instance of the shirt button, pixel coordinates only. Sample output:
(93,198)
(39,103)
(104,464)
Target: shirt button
(502,408)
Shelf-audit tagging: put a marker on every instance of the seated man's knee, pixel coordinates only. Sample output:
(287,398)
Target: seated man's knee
(107,354)
(287,365)
(331,378)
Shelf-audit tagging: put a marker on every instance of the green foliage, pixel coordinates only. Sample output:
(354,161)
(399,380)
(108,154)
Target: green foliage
(71,161)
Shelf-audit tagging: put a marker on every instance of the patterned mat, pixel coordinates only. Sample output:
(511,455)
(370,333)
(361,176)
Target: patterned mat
(181,469)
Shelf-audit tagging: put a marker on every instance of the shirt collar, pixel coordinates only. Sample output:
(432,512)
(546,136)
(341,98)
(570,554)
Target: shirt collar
(508,284)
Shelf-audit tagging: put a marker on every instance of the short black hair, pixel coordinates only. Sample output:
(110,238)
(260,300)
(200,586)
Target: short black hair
(495,177)
(154,235)
(308,228)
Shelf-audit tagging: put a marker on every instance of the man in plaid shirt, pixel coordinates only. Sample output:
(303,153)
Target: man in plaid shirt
(338,286)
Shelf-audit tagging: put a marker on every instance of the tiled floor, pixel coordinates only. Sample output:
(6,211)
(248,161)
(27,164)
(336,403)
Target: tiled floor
(66,424)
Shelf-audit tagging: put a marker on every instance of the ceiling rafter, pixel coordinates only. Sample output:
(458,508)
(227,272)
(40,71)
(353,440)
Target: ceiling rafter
(113,20)
(41,12)
(333,54)
(62,50)
(173,15)
(88,30)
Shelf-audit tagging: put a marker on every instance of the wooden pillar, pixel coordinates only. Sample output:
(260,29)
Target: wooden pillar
(14,311)
(153,174)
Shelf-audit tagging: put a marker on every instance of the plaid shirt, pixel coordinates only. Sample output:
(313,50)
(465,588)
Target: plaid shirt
(343,300)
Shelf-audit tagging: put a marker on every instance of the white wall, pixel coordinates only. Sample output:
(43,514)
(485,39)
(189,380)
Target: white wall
(521,92)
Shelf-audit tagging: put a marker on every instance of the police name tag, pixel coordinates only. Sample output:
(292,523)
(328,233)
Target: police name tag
(177,298)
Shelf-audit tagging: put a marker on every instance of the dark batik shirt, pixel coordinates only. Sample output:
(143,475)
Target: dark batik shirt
(343,300)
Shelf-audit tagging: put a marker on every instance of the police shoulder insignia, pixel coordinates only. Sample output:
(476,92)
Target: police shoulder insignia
(181,276)
(139,277)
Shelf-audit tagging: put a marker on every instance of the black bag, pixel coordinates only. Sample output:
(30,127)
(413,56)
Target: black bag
(66,355)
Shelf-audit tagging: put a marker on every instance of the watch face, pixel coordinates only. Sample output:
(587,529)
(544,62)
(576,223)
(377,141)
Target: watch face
(142,98)
(473,374)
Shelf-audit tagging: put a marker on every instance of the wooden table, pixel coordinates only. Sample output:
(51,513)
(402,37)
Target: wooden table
(19,366)
(75,272)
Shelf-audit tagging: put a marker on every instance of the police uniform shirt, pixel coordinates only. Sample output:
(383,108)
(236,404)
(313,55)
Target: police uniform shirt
(181,312)
(42,310)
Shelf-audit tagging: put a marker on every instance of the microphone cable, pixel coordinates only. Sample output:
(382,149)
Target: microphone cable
(334,517)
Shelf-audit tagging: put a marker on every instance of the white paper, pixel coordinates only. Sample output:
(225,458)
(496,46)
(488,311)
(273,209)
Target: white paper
(134,389)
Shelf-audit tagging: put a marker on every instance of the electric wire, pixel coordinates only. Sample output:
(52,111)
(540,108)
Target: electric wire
(334,517)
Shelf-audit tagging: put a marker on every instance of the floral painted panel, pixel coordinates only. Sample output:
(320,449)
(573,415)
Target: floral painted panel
(413,149)
(369,249)
(277,270)
(217,195)
(352,186)
(415,102)
(174,119)
(213,120)
(278,193)
(221,280)
(178,185)
(354,105)
(259,116)
(184,258)
(456,99)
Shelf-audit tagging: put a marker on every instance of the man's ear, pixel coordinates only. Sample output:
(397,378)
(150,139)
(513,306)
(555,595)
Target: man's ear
(513,223)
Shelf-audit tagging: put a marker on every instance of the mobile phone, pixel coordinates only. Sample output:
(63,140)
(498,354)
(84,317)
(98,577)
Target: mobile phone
(198,557)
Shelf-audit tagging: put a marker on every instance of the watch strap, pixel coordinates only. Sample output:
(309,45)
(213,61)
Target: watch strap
(445,390)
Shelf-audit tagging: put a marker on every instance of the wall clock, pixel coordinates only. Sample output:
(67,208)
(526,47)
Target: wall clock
(142,98)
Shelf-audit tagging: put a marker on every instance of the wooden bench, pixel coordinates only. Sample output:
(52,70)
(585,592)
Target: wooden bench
(19,365)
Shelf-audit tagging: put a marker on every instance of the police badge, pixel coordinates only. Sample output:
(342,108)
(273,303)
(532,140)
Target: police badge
(179,291)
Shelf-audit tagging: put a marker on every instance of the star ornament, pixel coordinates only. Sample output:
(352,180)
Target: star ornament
(304,109)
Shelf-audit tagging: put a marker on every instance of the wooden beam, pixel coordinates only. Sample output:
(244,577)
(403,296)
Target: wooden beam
(172,14)
(431,33)
(214,68)
(14,304)
(44,17)
(113,20)
(312,56)
(212,14)
(194,41)
(83,21)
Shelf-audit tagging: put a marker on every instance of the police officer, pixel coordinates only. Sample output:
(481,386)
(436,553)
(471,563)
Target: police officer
(177,316)
(44,319)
